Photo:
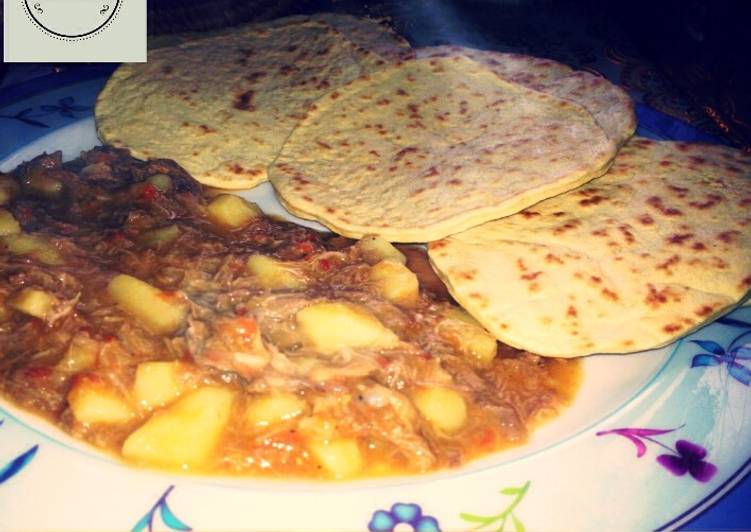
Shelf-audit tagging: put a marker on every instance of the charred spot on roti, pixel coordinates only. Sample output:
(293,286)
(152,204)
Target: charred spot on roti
(646,219)
(672,328)
(609,294)
(550,258)
(593,200)
(728,237)
(678,238)
(657,203)
(711,201)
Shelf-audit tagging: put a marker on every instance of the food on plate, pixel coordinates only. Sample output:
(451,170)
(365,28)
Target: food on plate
(165,326)
(222,106)
(428,147)
(610,105)
(632,260)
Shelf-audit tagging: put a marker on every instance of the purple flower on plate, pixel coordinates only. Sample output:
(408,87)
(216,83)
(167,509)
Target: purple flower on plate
(401,513)
(686,457)
(689,458)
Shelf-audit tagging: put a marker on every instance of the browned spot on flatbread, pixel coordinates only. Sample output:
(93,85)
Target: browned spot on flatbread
(594,200)
(244,101)
(703,311)
(672,327)
(531,276)
(550,258)
(657,203)
(609,294)
(711,201)
(628,236)
(728,236)
(646,219)
(530,214)
(571,312)
(678,238)
(571,224)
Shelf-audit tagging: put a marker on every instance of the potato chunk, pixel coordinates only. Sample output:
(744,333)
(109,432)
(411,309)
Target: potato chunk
(333,326)
(161,312)
(95,401)
(158,383)
(34,302)
(162,182)
(184,434)
(8,224)
(375,249)
(468,336)
(274,274)
(444,408)
(267,410)
(82,354)
(395,282)
(232,211)
(162,236)
(341,457)
(36,246)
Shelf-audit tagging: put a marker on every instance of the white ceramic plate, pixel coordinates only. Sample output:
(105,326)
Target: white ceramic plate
(650,441)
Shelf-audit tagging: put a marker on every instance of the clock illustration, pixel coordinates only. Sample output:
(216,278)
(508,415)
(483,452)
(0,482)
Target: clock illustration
(72,19)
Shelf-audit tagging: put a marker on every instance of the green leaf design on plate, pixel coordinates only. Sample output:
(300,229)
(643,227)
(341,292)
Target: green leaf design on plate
(503,516)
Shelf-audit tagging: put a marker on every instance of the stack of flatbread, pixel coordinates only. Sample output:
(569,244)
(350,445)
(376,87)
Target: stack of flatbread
(223,106)
(558,233)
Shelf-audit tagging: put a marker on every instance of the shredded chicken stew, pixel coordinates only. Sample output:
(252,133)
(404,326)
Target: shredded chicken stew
(181,330)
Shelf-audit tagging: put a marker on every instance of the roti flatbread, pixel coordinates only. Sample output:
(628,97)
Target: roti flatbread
(429,147)
(647,253)
(223,106)
(610,105)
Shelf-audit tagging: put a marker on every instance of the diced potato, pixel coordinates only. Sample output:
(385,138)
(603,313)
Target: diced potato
(162,182)
(8,190)
(274,274)
(317,428)
(94,401)
(161,312)
(158,383)
(82,354)
(232,211)
(8,224)
(395,282)
(340,457)
(34,302)
(36,246)
(45,186)
(271,409)
(375,249)
(333,326)
(468,336)
(444,408)
(184,434)
(155,238)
